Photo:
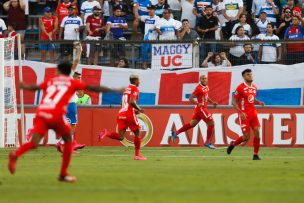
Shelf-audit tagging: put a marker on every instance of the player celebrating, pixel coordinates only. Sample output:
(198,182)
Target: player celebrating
(200,112)
(244,102)
(126,117)
(50,115)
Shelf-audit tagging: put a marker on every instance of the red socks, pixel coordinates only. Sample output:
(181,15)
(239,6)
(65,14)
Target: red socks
(114,136)
(66,158)
(256,145)
(137,141)
(210,129)
(24,148)
(184,128)
(238,141)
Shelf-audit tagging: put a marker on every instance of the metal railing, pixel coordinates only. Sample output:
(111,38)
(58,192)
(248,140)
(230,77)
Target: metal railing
(138,53)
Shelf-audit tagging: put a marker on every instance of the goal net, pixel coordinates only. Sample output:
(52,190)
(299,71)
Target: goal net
(8,103)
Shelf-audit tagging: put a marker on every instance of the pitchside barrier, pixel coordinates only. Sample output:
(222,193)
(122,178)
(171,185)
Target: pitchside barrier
(171,55)
(280,126)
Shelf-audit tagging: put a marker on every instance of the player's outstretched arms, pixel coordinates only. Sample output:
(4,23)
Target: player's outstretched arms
(28,87)
(104,89)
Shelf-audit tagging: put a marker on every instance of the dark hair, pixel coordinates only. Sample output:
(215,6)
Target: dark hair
(126,62)
(270,25)
(237,29)
(214,56)
(116,8)
(65,68)
(185,20)
(247,44)
(246,71)
(208,6)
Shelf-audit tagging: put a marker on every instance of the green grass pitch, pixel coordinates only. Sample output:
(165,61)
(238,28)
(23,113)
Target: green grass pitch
(108,174)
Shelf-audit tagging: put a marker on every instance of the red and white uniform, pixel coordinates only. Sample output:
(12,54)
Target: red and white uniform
(126,115)
(56,96)
(201,93)
(49,25)
(246,95)
(94,24)
(63,11)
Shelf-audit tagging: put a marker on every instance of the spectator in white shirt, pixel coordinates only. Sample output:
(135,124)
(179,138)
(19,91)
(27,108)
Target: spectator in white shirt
(87,9)
(243,22)
(269,52)
(237,49)
(232,9)
(3,28)
(256,7)
(150,22)
(262,22)
(175,8)
(167,27)
(70,27)
(187,6)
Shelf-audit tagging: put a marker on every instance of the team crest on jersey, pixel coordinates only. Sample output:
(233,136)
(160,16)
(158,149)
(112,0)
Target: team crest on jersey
(250,98)
(146,131)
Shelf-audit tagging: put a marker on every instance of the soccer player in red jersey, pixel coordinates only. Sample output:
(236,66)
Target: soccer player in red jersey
(201,94)
(50,115)
(126,117)
(244,101)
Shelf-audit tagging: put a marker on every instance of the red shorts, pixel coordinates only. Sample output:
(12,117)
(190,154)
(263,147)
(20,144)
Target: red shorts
(45,121)
(251,121)
(203,114)
(128,121)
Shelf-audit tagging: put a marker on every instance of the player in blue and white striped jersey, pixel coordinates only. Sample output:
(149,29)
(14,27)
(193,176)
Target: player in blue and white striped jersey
(272,11)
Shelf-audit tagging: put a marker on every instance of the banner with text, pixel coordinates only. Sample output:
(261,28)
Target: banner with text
(277,84)
(171,56)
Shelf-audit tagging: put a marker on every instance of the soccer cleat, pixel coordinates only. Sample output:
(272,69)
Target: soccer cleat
(78,146)
(140,158)
(210,146)
(12,162)
(67,178)
(102,134)
(256,157)
(230,148)
(173,136)
(59,147)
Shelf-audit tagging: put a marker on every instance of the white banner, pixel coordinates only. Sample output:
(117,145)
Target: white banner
(171,56)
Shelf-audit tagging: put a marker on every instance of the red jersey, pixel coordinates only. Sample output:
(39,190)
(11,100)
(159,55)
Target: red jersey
(126,108)
(94,24)
(49,25)
(245,96)
(201,93)
(57,93)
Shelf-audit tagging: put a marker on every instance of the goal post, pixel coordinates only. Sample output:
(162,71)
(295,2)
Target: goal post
(8,101)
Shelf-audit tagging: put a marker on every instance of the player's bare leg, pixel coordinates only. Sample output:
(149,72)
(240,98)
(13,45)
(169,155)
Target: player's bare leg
(14,155)
(185,127)
(114,135)
(137,142)
(240,140)
(66,158)
(210,132)
(256,143)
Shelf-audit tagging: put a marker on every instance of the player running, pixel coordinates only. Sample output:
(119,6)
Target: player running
(50,115)
(201,93)
(244,101)
(126,117)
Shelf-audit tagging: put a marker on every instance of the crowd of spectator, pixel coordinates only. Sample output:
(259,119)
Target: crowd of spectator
(190,20)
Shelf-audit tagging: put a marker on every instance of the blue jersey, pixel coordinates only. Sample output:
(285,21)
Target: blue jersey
(143,6)
(115,29)
(271,16)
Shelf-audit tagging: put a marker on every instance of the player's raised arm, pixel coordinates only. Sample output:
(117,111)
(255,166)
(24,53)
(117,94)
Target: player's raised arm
(28,86)
(104,89)
(78,57)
